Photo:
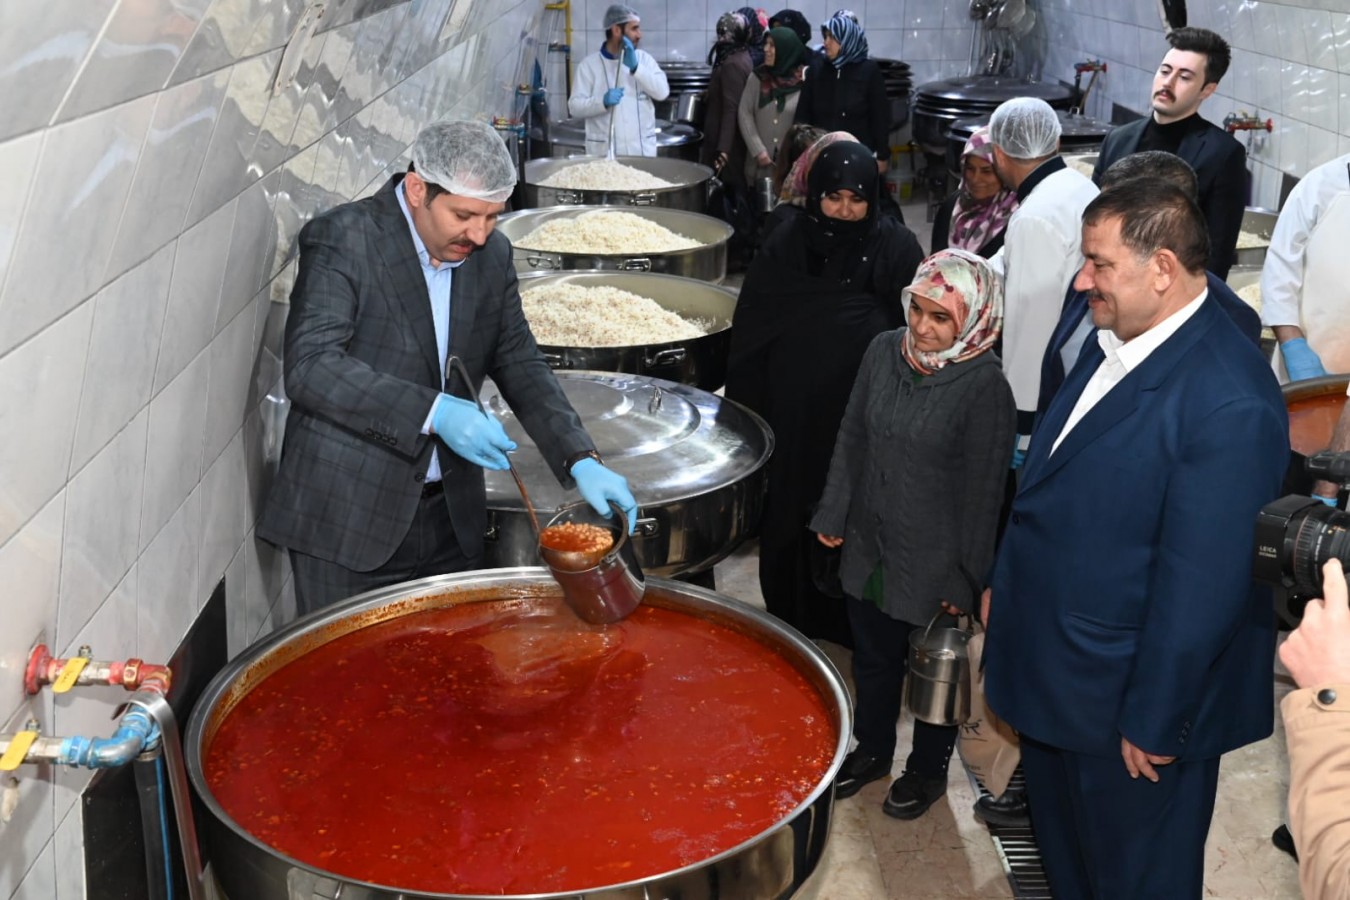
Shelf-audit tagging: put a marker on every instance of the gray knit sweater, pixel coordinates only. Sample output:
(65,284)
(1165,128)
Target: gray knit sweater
(917,478)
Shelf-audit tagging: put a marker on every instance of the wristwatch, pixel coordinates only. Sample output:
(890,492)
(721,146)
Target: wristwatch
(578,457)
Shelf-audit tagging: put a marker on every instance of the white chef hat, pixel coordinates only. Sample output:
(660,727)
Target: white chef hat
(619,14)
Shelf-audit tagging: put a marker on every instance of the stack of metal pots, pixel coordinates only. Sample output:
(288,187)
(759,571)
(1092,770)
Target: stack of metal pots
(688,96)
(899,84)
(938,104)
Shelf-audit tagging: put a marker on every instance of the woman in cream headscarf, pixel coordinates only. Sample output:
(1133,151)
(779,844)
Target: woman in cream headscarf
(913,496)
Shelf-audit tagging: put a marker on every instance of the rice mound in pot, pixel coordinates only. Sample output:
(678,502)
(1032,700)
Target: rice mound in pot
(604,175)
(606,232)
(574,315)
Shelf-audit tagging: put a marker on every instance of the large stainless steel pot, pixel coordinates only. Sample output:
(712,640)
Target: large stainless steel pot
(1260,222)
(707,262)
(770,866)
(695,462)
(700,361)
(689,180)
(938,104)
(674,140)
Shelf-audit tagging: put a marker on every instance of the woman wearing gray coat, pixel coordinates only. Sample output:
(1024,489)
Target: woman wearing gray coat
(913,498)
(768,104)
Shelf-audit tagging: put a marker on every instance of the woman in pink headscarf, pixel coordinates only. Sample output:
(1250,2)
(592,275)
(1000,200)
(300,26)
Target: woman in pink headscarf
(912,498)
(975,216)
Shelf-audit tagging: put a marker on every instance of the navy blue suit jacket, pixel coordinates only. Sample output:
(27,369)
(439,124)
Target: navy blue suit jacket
(1075,308)
(1122,595)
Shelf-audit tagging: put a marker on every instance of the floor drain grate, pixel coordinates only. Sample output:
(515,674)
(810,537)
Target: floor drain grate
(1017,849)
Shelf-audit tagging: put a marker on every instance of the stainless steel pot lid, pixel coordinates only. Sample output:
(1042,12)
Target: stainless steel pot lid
(993,89)
(671,441)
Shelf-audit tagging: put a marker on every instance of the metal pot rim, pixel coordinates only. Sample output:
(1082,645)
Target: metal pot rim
(704,600)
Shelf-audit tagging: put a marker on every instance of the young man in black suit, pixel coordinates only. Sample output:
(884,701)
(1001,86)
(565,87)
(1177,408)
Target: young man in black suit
(1187,76)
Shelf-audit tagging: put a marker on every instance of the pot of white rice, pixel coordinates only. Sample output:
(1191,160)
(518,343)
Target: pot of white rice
(623,181)
(678,329)
(633,239)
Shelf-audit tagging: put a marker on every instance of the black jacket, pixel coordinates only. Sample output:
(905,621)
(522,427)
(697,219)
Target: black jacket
(1220,165)
(851,99)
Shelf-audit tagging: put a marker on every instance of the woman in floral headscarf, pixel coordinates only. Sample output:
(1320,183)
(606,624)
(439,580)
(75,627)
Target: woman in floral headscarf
(975,216)
(846,91)
(913,496)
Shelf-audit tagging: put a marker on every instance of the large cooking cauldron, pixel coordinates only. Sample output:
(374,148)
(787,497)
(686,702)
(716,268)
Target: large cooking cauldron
(938,104)
(675,140)
(769,866)
(689,180)
(694,460)
(707,262)
(1078,134)
(700,361)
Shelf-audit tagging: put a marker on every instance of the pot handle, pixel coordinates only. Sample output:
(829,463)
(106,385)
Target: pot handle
(646,199)
(668,357)
(542,262)
(637,264)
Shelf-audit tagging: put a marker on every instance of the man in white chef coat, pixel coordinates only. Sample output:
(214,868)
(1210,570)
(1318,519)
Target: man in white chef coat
(1306,273)
(615,87)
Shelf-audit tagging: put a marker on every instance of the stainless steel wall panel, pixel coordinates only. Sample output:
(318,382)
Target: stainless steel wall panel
(221,37)
(252,248)
(18,164)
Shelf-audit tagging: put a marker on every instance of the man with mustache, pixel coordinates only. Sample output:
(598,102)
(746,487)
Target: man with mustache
(1127,642)
(381,477)
(1187,76)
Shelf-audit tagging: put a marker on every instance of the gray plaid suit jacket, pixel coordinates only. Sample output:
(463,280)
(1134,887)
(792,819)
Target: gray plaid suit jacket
(362,371)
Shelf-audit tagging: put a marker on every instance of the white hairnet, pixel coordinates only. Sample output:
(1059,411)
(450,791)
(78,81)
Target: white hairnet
(467,158)
(619,14)
(1025,128)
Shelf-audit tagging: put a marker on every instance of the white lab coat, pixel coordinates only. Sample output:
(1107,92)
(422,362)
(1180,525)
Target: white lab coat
(634,117)
(1306,277)
(1041,254)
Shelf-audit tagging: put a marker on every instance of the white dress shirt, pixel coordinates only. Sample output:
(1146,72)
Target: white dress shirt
(1122,358)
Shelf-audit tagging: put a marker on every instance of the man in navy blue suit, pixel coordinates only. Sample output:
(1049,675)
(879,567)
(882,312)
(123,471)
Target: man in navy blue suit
(1127,643)
(1075,320)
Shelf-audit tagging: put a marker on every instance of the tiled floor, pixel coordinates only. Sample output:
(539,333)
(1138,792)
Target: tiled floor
(948,854)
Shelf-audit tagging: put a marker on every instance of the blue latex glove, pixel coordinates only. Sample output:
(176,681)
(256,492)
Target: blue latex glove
(629,55)
(474,435)
(613,96)
(1329,501)
(1300,360)
(1019,457)
(599,485)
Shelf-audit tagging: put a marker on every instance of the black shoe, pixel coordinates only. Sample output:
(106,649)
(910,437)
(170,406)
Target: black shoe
(912,794)
(1285,841)
(859,769)
(1008,811)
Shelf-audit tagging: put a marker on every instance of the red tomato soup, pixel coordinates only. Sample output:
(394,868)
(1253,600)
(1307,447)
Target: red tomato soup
(506,747)
(1311,421)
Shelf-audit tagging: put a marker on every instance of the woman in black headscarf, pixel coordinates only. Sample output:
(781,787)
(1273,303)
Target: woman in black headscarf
(823,285)
(723,147)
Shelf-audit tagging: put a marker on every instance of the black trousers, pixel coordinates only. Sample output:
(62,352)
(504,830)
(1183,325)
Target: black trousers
(880,658)
(429,548)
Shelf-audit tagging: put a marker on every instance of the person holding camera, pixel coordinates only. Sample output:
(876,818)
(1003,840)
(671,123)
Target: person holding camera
(1317,732)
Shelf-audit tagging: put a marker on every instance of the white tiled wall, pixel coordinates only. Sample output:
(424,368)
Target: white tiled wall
(1291,64)
(151,189)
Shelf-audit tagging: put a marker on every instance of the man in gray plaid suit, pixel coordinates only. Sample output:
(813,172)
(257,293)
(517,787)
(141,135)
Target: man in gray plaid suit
(381,472)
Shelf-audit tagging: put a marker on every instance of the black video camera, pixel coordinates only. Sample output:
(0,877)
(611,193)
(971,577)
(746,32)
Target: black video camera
(1296,535)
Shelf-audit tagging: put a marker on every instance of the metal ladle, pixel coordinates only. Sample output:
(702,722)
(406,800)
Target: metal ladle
(601,588)
(454,364)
